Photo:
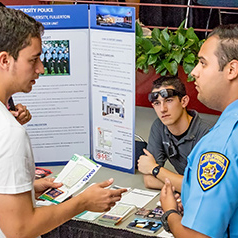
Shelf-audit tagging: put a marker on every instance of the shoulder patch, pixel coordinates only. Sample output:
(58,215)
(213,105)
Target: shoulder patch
(212,168)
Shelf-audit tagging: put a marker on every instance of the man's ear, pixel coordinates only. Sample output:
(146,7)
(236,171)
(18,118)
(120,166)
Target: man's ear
(4,60)
(233,69)
(185,101)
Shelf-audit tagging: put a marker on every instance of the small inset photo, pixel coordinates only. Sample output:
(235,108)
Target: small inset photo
(113,107)
(54,193)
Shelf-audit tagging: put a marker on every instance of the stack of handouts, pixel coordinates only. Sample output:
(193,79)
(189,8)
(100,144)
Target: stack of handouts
(77,172)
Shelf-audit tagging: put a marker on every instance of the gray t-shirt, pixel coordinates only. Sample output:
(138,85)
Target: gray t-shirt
(163,145)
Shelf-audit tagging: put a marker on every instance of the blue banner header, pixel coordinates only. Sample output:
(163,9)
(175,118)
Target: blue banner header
(58,16)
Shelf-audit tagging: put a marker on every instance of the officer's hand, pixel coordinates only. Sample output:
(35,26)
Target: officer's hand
(167,198)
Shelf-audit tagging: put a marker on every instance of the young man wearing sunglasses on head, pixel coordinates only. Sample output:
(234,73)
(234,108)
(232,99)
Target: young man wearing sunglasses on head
(173,134)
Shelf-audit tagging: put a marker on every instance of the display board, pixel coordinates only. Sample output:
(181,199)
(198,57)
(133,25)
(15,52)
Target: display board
(85,101)
(112,55)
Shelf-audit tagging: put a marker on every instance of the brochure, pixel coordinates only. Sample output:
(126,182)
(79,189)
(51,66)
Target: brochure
(117,214)
(88,215)
(144,224)
(77,172)
(156,213)
(165,234)
(138,197)
(142,212)
(42,172)
(153,214)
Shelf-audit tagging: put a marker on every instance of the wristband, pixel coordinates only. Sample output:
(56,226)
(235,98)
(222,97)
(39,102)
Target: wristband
(156,170)
(164,219)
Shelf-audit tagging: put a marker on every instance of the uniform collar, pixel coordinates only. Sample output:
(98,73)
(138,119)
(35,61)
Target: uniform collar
(231,110)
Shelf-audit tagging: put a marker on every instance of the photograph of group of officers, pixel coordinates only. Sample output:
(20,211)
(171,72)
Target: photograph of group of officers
(55,57)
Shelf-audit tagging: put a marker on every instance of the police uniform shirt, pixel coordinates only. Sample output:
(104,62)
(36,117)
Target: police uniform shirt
(209,190)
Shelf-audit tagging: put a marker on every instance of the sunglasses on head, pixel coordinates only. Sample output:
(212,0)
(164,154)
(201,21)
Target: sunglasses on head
(164,93)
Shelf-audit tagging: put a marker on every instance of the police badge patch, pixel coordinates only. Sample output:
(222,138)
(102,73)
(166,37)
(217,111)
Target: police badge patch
(212,168)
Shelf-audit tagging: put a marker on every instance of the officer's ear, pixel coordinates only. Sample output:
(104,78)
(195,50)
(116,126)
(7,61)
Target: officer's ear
(185,101)
(232,68)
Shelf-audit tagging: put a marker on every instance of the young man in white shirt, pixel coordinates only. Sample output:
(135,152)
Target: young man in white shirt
(20,66)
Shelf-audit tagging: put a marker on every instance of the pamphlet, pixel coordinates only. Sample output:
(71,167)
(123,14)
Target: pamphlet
(156,213)
(42,172)
(165,234)
(142,212)
(77,172)
(153,214)
(118,213)
(138,197)
(144,224)
(88,215)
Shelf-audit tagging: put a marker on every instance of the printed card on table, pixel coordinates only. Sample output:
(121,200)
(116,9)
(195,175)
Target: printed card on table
(77,172)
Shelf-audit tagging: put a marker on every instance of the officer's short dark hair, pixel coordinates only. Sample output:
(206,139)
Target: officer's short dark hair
(227,49)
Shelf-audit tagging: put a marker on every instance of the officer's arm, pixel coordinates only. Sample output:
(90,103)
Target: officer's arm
(180,231)
(168,202)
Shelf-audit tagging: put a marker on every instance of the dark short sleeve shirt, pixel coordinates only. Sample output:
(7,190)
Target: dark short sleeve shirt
(163,145)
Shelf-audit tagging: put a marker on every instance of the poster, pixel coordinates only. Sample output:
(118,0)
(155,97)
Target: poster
(59,101)
(85,101)
(112,41)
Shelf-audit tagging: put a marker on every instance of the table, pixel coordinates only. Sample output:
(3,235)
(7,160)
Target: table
(84,229)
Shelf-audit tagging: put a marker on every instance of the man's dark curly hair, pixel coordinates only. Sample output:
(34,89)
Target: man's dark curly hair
(169,80)
(16,30)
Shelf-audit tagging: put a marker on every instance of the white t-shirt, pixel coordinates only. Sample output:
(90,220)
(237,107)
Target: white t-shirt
(17,166)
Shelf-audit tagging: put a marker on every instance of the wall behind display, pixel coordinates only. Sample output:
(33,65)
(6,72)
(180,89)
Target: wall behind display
(21,2)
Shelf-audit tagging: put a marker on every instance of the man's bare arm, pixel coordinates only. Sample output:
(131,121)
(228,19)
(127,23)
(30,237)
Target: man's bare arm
(151,182)
(147,163)
(19,218)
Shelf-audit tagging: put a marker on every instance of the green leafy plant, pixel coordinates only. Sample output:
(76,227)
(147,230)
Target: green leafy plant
(165,50)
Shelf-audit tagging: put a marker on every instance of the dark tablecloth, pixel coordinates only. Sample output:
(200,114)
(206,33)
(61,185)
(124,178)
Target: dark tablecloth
(81,229)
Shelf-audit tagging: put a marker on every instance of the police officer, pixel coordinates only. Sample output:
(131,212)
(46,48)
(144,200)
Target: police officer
(66,60)
(48,60)
(209,190)
(61,61)
(55,61)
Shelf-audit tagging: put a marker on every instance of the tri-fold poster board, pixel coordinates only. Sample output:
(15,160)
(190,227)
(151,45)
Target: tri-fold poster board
(85,101)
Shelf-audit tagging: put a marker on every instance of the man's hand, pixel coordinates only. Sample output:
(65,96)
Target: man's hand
(21,114)
(146,163)
(100,199)
(41,185)
(167,198)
